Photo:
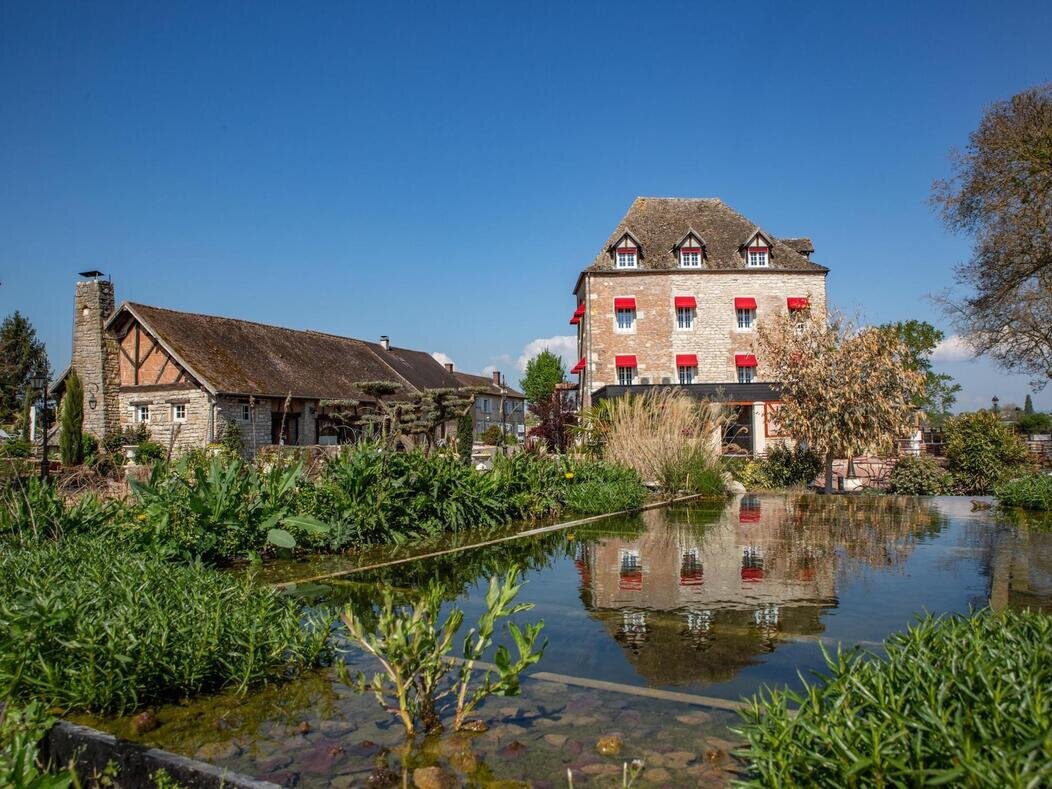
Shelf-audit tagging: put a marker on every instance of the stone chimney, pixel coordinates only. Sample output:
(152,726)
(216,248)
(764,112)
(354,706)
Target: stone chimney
(496,377)
(449,367)
(385,342)
(95,355)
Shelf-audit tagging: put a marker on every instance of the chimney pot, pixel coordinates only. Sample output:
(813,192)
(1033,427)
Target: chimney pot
(385,342)
(449,367)
(496,377)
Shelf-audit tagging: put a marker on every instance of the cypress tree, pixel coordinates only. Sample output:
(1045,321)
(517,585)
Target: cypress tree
(70,438)
(1028,406)
(465,436)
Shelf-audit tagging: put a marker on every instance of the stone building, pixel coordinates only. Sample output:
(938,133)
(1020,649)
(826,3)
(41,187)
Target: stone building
(673,299)
(496,404)
(188,376)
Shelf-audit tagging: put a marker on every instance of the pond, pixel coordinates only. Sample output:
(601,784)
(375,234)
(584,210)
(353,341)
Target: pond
(658,623)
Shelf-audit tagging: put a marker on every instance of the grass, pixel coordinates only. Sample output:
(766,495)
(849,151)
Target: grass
(964,701)
(88,624)
(1030,492)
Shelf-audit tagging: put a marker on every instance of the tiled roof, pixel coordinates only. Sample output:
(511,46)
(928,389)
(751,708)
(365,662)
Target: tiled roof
(485,382)
(241,357)
(660,223)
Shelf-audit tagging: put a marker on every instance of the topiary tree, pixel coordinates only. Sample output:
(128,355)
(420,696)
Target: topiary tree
(465,436)
(543,372)
(70,440)
(1028,405)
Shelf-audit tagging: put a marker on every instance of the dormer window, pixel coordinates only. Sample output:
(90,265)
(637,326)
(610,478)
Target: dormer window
(757,257)
(690,257)
(627,257)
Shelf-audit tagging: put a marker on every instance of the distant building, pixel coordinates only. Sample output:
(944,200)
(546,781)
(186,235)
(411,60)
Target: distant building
(492,391)
(187,375)
(673,299)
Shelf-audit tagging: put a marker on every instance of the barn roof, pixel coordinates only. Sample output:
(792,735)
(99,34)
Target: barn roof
(239,357)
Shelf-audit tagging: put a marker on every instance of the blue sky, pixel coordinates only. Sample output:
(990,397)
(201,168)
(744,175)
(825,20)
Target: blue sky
(440,172)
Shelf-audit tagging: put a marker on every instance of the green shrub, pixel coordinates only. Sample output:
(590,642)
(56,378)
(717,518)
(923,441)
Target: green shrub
(89,449)
(149,452)
(16,448)
(21,729)
(465,437)
(920,476)
(788,466)
(88,624)
(30,508)
(72,421)
(956,701)
(982,451)
(1029,424)
(491,436)
(1031,492)
(596,497)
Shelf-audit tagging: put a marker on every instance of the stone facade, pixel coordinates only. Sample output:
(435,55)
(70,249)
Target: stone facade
(95,356)
(655,339)
(161,402)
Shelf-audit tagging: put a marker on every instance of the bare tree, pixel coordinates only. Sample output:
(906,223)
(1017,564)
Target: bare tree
(1001,193)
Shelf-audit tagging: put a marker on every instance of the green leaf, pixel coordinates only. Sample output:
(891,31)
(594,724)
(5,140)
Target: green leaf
(307,524)
(281,538)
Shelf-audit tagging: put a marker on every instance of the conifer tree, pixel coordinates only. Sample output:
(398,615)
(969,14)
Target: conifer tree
(70,438)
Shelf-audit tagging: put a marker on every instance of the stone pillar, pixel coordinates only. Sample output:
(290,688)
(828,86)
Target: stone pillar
(759,432)
(95,356)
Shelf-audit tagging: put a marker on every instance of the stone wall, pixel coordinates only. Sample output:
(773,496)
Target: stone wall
(95,356)
(655,341)
(255,431)
(194,432)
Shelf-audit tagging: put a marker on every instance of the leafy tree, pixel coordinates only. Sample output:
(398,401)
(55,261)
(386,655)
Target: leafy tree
(1001,193)
(543,372)
(1028,406)
(21,355)
(982,450)
(940,391)
(70,440)
(556,417)
(843,389)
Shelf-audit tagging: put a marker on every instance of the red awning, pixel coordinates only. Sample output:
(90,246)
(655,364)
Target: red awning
(798,303)
(686,360)
(745,303)
(745,359)
(627,303)
(686,301)
(759,249)
(626,250)
(625,361)
(690,249)
(580,310)
(575,320)
(579,366)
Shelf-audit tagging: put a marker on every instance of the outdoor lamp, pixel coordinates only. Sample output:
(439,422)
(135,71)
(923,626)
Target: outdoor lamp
(37,380)
(92,400)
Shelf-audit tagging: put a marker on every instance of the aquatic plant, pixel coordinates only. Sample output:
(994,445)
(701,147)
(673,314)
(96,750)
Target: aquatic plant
(957,700)
(420,679)
(30,508)
(1030,491)
(88,624)
(21,729)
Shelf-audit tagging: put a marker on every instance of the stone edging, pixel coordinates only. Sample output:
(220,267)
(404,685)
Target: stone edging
(89,751)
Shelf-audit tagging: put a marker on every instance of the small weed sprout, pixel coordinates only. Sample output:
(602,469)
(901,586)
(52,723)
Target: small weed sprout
(420,678)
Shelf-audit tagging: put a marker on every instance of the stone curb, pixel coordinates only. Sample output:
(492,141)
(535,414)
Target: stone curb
(90,751)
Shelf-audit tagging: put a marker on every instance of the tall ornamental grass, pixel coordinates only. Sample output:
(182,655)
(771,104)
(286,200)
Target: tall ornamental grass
(668,437)
(87,624)
(1030,491)
(957,701)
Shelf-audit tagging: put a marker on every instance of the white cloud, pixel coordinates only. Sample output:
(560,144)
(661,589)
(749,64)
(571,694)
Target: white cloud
(442,358)
(953,349)
(489,369)
(563,345)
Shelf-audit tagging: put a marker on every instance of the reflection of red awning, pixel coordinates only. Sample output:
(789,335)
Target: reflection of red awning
(686,360)
(806,574)
(631,580)
(626,303)
(745,303)
(745,359)
(688,302)
(749,516)
(691,578)
(625,361)
(752,573)
(797,303)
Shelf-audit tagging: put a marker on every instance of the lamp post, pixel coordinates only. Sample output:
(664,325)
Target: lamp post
(995,400)
(39,381)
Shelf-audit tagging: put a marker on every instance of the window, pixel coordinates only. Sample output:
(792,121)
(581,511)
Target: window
(684,317)
(745,375)
(626,258)
(690,258)
(486,404)
(142,413)
(626,318)
(246,413)
(625,375)
(757,257)
(687,373)
(746,317)
(178,412)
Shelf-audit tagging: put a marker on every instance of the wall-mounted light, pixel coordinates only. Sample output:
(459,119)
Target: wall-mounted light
(92,400)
